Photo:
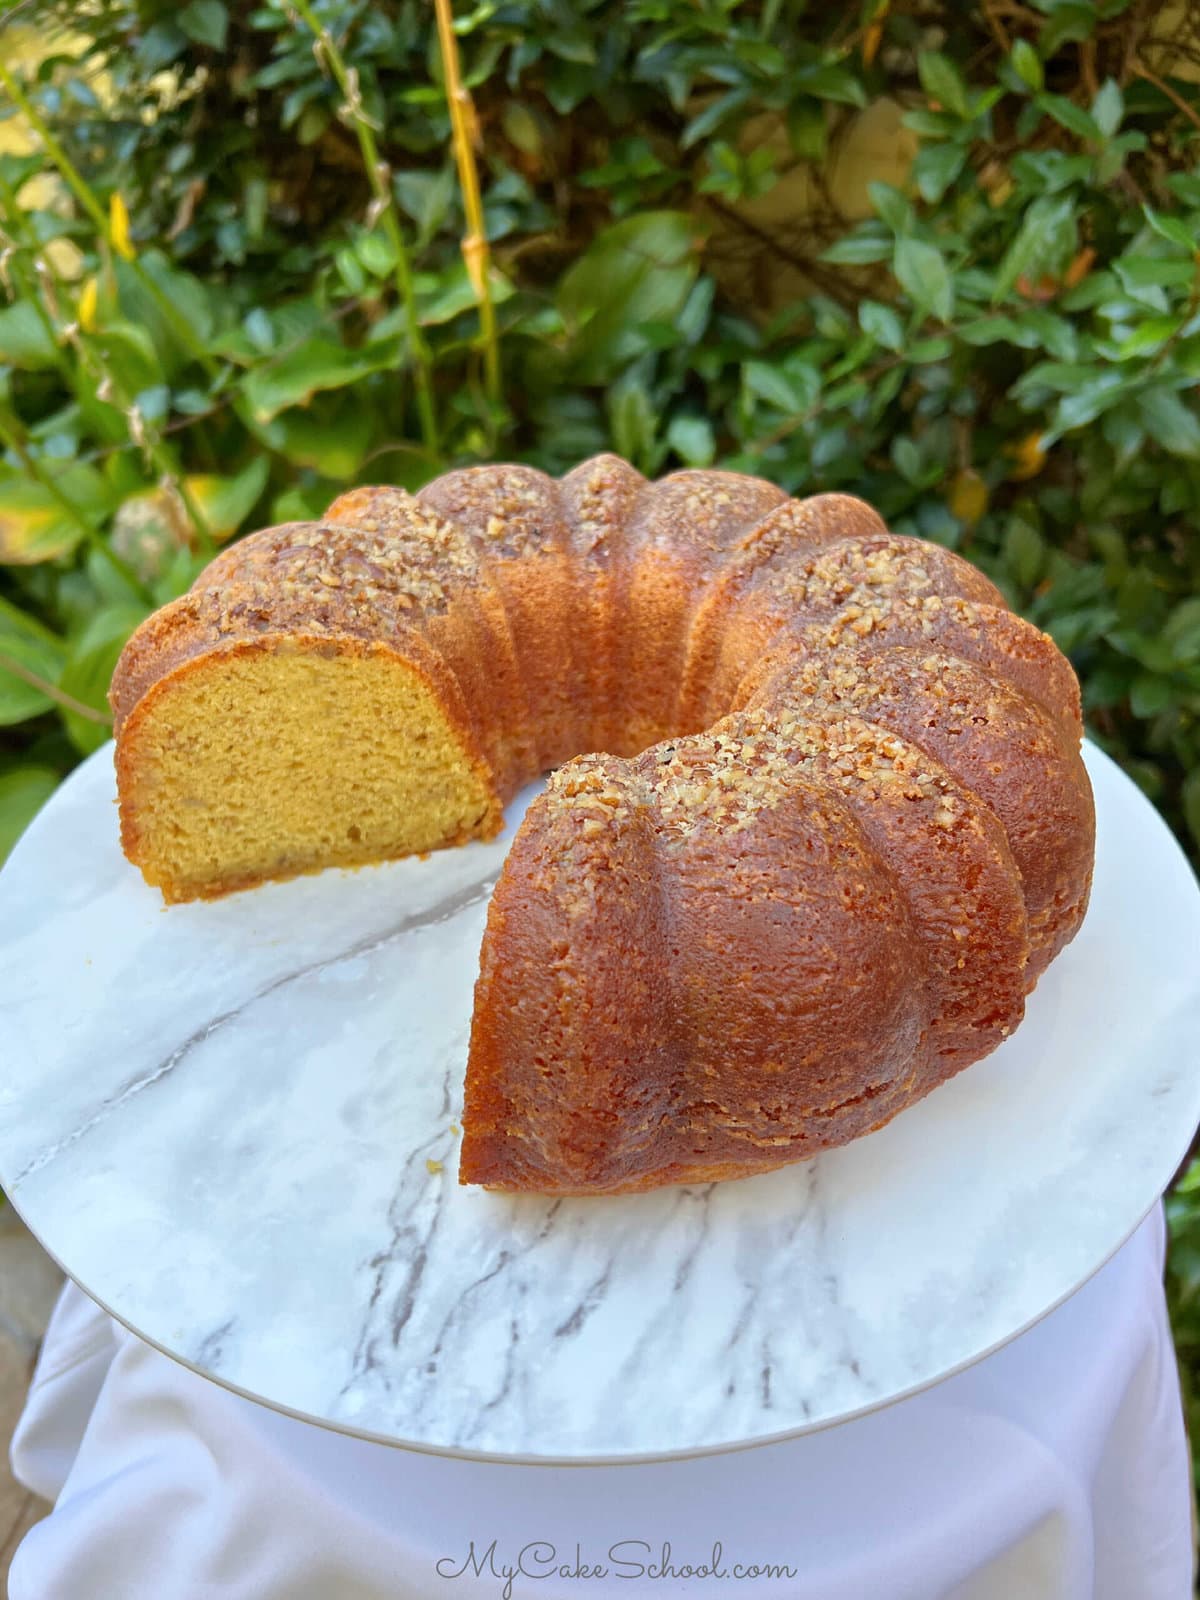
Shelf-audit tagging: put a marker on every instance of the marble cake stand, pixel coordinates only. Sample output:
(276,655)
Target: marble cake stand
(235,1125)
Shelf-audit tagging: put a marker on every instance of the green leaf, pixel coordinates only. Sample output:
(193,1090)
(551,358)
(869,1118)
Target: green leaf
(770,384)
(25,643)
(932,124)
(1152,333)
(205,21)
(1178,493)
(190,299)
(445,295)
(159,45)
(1191,812)
(1139,272)
(907,459)
(24,341)
(1109,163)
(227,502)
(1070,116)
(1069,20)
(1024,551)
(572,46)
(426,197)
(858,249)
(882,323)
(1170,422)
(376,253)
(891,206)
(303,371)
(921,271)
(1108,108)
(130,357)
(808,131)
(331,443)
(314,120)
(522,128)
(828,81)
(18,169)
(1101,391)
(1071,630)
(1172,228)
(922,351)
(23,793)
(693,319)
(1151,693)
(1026,65)
(885,389)
(302,503)
(632,418)
(713,115)
(89,669)
(1185,186)
(936,167)
(1182,631)
(942,82)
(1125,431)
(692,440)
(350,268)
(993,330)
(1056,334)
(34,525)
(636,272)
(1046,233)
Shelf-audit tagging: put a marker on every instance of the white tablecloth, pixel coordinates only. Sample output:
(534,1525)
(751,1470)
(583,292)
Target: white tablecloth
(1056,1468)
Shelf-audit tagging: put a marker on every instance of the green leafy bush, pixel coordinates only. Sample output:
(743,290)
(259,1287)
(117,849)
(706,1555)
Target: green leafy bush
(243,286)
(1003,355)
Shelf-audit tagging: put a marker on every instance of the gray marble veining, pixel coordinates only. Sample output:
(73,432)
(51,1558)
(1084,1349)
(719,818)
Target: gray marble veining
(236,1125)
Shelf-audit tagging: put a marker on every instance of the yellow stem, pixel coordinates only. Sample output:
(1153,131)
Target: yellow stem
(474,246)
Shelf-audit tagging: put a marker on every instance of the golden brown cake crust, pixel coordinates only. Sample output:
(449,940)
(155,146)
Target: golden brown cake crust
(842,826)
(319,579)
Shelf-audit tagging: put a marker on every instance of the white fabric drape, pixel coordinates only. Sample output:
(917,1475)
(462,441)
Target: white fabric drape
(1056,1469)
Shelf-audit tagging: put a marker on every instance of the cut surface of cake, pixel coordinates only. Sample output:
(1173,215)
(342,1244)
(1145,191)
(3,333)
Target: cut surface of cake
(838,826)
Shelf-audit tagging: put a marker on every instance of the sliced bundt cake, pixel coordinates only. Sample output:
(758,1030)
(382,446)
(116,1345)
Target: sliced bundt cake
(841,827)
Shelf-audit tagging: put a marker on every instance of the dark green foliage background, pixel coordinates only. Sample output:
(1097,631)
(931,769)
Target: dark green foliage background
(1004,357)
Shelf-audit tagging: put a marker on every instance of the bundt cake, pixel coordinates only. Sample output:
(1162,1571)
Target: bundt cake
(841,826)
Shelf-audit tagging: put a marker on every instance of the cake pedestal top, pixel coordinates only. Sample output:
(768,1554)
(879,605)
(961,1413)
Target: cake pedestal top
(236,1126)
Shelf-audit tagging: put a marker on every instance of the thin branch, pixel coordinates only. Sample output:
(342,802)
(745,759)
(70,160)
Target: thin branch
(53,692)
(12,439)
(1087,67)
(145,436)
(26,290)
(83,193)
(777,435)
(826,279)
(1141,71)
(997,27)
(383,212)
(1139,19)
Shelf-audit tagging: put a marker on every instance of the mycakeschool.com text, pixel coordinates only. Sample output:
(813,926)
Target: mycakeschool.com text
(507,1570)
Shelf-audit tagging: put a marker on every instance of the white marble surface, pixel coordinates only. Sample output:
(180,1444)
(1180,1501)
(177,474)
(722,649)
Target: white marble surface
(220,1117)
